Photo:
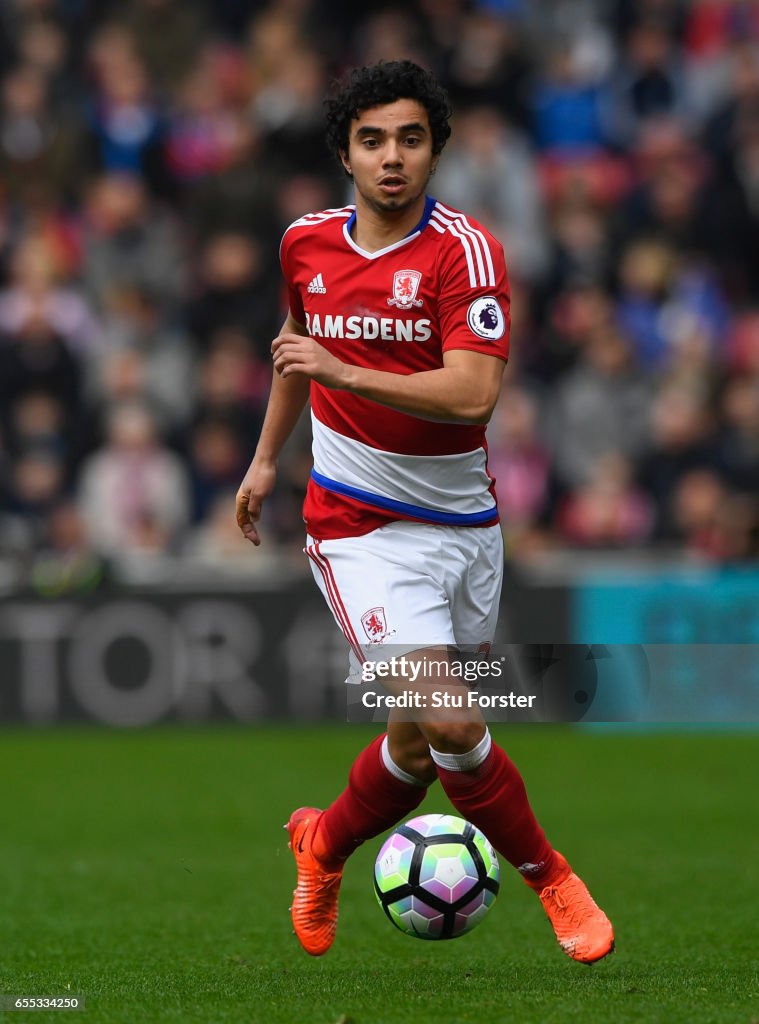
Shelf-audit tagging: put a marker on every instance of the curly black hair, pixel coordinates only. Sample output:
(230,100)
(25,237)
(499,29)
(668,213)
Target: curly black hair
(378,84)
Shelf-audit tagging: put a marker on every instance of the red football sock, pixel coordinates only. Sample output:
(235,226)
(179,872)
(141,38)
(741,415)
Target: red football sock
(374,800)
(493,797)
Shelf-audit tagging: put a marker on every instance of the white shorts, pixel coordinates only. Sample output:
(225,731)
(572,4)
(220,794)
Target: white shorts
(408,585)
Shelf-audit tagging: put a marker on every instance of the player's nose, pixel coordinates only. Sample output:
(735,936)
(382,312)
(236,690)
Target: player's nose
(392,155)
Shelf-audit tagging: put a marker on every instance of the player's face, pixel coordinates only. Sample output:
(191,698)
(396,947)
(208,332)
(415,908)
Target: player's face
(390,155)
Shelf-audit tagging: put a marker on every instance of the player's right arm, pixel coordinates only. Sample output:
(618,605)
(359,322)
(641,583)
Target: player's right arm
(287,400)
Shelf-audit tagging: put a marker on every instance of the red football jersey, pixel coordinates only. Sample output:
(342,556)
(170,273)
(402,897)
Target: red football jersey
(443,286)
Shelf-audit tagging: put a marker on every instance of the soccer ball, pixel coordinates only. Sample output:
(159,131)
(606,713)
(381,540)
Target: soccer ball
(436,877)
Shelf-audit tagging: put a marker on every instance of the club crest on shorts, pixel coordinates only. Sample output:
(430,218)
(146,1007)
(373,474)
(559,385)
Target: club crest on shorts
(374,622)
(405,286)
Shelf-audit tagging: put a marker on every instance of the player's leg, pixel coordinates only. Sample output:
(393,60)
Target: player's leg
(478,777)
(354,577)
(379,794)
(480,780)
(358,576)
(486,787)
(384,785)
(408,747)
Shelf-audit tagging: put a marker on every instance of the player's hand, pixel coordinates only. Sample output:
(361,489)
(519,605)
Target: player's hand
(294,353)
(257,485)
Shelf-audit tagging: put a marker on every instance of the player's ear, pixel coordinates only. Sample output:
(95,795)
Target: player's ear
(345,163)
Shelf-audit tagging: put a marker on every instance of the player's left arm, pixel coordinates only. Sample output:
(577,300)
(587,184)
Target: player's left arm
(464,390)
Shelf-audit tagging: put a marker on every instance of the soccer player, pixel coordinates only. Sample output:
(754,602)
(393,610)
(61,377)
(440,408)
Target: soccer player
(398,332)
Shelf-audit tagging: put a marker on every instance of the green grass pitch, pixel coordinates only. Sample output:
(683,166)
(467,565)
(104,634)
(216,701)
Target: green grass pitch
(150,872)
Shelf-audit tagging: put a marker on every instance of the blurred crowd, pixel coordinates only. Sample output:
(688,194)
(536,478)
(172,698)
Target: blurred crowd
(153,151)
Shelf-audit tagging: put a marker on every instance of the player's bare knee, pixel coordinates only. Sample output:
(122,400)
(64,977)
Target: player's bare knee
(424,767)
(456,737)
(414,757)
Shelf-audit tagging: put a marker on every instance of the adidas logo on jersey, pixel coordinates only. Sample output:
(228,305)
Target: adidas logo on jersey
(317,286)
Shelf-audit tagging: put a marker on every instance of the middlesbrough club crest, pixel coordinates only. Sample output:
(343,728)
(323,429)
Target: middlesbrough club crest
(405,286)
(374,622)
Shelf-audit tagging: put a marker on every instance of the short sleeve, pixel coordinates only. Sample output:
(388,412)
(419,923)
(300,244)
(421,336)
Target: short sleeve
(294,299)
(474,306)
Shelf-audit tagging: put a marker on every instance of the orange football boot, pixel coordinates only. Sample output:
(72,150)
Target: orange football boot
(314,909)
(583,931)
